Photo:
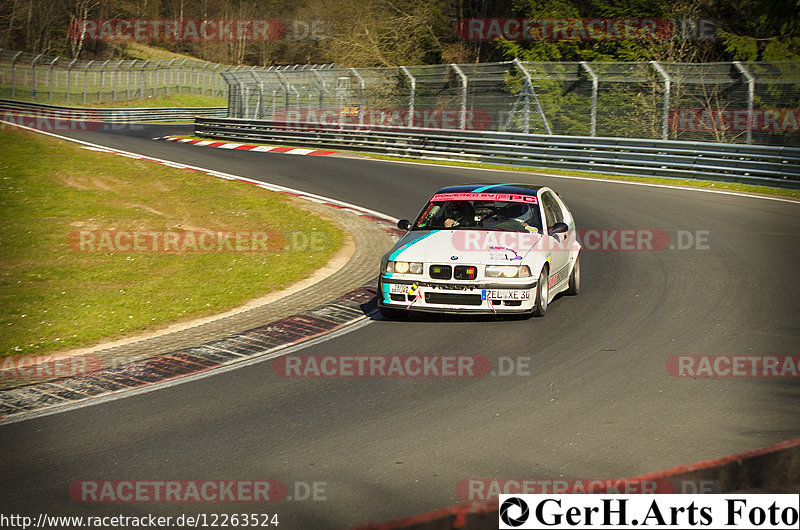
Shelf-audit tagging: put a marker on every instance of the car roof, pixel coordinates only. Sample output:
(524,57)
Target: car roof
(519,189)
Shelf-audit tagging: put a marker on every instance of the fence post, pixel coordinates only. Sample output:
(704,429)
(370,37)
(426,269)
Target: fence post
(180,74)
(14,73)
(529,82)
(667,89)
(191,77)
(411,95)
(751,92)
(168,75)
(34,76)
(116,79)
(69,74)
(50,78)
(142,82)
(128,83)
(595,86)
(320,86)
(86,80)
(360,97)
(285,89)
(156,73)
(462,120)
(102,80)
(203,75)
(227,80)
(260,102)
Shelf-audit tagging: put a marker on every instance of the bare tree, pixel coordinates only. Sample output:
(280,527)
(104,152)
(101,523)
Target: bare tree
(80,12)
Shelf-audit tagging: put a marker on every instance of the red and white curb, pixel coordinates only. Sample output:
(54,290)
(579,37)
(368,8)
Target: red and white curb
(248,147)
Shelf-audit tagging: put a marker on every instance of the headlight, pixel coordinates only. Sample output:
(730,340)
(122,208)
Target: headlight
(404,267)
(508,271)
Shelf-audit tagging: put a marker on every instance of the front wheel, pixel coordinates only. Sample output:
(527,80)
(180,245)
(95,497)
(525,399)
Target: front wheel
(574,278)
(542,293)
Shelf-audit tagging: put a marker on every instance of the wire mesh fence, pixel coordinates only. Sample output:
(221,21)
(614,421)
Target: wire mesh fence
(59,80)
(737,102)
(748,102)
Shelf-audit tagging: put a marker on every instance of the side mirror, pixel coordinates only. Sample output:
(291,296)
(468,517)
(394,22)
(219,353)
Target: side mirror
(405,224)
(558,228)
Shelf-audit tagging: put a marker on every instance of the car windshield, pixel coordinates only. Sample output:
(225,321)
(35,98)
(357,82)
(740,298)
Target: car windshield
(481,215)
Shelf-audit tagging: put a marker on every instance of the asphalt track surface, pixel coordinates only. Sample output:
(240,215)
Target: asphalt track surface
(598,403)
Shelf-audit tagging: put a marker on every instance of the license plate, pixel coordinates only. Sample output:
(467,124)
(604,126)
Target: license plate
(495,294)
(398,289)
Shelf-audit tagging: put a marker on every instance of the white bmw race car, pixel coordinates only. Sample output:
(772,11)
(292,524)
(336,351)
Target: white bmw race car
(503,248)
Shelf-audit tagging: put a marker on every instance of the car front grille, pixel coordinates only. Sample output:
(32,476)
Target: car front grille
(453,299)
(465,272)
(441,272)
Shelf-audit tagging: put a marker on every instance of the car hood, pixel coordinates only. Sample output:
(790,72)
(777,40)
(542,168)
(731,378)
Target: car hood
(464,246)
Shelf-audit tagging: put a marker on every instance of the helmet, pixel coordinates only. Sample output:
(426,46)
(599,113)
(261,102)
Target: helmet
(459,210)
(519,212)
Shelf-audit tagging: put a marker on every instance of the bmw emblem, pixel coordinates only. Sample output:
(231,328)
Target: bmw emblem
(453,258)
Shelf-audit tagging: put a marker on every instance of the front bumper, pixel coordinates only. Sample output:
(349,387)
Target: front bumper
(457,297)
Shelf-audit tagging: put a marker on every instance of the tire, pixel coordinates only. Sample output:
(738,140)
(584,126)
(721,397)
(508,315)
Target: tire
(391,313)
(542,293)
(574,286)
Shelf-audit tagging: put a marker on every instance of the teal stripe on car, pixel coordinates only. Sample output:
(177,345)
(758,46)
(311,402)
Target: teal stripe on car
(484,188)
(397,252)
(386,298)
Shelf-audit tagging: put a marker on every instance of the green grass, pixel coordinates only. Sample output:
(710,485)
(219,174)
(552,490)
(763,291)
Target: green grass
(176,100)
(173,100)
(693,183)
(54,296)
(141,51)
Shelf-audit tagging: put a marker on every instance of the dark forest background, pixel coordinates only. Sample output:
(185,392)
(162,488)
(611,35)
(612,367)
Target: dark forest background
(364,33)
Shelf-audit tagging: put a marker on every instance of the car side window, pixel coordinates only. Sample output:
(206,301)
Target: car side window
(566,215)
(552,210)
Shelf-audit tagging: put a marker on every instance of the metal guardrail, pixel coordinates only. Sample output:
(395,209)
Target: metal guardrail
(27,110)
(750,164)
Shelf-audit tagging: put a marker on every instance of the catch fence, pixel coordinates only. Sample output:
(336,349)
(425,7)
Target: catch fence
(736,102)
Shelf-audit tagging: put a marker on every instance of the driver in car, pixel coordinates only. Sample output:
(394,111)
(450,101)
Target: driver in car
(459,213)
(512,217)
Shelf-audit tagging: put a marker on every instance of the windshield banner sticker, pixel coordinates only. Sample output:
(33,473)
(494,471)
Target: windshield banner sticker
(506,197)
